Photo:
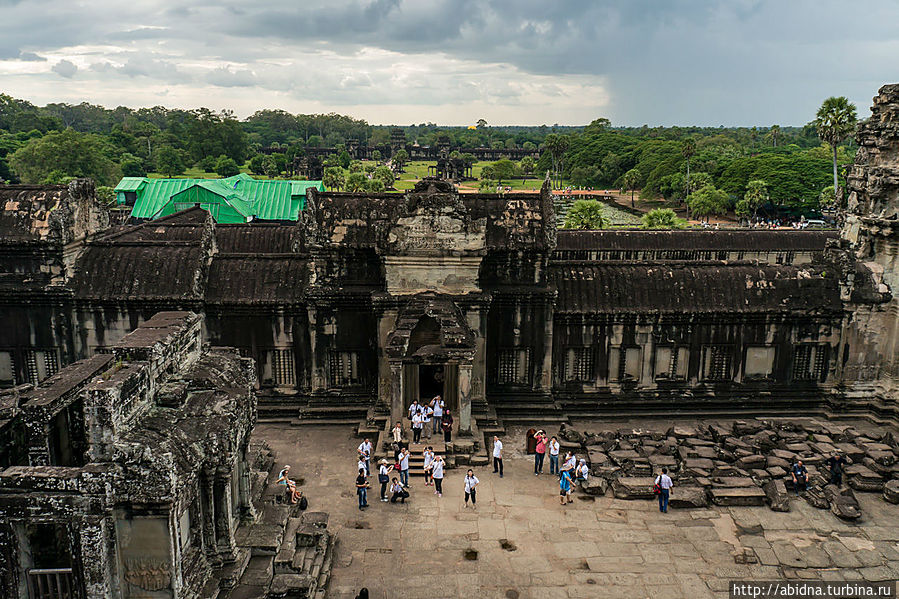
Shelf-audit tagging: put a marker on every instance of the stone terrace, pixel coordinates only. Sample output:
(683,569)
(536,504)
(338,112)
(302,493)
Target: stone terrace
(529,546)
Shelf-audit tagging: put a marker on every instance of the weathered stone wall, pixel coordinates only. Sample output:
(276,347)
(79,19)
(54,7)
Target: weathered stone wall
(871,234)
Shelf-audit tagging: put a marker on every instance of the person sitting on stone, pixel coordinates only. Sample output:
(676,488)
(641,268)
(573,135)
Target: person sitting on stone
(582,471)
(800,477)
(284,479)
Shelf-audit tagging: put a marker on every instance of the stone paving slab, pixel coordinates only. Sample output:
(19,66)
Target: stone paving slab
(530,545)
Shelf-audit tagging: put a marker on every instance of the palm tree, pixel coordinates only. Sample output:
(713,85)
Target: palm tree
(631,179)
(556,145)
(835,122)
(688,149)
(774,133)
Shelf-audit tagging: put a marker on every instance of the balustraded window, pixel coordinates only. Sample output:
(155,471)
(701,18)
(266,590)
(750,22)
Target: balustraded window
(810,362)
(578,364)
(671,362)
(717,362)
(40,364)
(512,368)
(626,363)
(344,369)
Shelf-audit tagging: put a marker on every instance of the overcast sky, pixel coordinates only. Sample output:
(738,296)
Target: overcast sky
(532,62)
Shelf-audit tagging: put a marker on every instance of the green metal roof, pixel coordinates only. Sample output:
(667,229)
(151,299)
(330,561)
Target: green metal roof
(130,184)
(265,200)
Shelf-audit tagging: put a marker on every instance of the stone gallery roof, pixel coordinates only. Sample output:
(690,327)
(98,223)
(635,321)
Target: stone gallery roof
(257,279)
(257,238)
(611,288)
(746,240)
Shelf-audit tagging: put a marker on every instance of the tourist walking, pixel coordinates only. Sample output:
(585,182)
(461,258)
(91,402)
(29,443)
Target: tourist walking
(497,456)
(447,425)
(437,474)
(835,463)
(570,463)
(398,491)
(362,489)
(663,484)
(384,477)
(471,485)
(364,450)
(554,448)
(564,487)
(428,455)
(416,427)
(404,466)
(539,452)
(438,405)
(800,477)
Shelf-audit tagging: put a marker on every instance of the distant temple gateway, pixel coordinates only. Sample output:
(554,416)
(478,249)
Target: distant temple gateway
(352,306)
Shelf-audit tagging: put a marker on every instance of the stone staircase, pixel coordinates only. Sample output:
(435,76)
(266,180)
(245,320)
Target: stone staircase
(416,455)
(530,408)
(284,553)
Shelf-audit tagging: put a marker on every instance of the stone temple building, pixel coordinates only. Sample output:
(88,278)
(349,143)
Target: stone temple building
(370,301)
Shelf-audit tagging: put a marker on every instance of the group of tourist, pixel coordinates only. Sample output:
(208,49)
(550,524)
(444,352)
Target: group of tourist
(426,418)
(570,471)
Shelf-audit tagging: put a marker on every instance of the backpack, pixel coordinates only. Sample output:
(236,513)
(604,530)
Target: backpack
(303,503)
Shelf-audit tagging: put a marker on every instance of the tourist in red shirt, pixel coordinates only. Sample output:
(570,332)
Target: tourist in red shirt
(540,452)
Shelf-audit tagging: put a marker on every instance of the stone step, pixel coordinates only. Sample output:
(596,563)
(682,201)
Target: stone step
(229,574)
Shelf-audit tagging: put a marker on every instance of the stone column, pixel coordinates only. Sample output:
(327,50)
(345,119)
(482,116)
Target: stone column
(396,392)
(93,542)
(224,529)
(207,503)
(477,320)
(386,324)
(247,511)
(465,399)
(318,375)
(546,369)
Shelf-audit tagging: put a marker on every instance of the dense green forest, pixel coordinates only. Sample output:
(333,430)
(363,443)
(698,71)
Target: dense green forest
(50,143)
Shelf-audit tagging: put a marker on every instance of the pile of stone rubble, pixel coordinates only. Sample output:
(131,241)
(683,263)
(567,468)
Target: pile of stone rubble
(747,463)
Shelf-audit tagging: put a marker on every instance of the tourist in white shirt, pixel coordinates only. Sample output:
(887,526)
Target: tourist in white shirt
(471,484)
(664,482)
(404,467)
(497,456)
(437,404)
(384,478)
(437,474)
(416,427)
(582,471)
(414,408)
(364,450)
(554,456)
(428,455)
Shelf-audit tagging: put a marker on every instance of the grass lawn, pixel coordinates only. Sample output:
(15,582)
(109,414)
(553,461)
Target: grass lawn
(419,169)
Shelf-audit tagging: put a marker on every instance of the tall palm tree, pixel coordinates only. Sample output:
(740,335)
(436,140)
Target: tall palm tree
(688,149)
(557,145)
(835,122)
(631,179)
(774,133)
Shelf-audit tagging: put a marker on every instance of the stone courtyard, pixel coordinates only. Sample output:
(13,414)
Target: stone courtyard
(520,542)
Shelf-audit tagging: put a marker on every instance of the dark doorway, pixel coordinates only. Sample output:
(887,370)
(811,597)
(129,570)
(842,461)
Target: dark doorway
(430,381)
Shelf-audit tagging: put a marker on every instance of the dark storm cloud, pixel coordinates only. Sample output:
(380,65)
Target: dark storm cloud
(674,61)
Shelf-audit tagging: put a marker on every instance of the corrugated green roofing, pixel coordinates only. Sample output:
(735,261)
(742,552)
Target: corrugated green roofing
(130,184)
(265,200)
(221,189)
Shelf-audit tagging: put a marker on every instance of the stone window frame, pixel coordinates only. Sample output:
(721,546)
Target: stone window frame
(756,376)
(579,364)
(344,368)
(717,362)
(512,365)
(679,357)
(13,380)
(810,362)
(40,360)
(620,372)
